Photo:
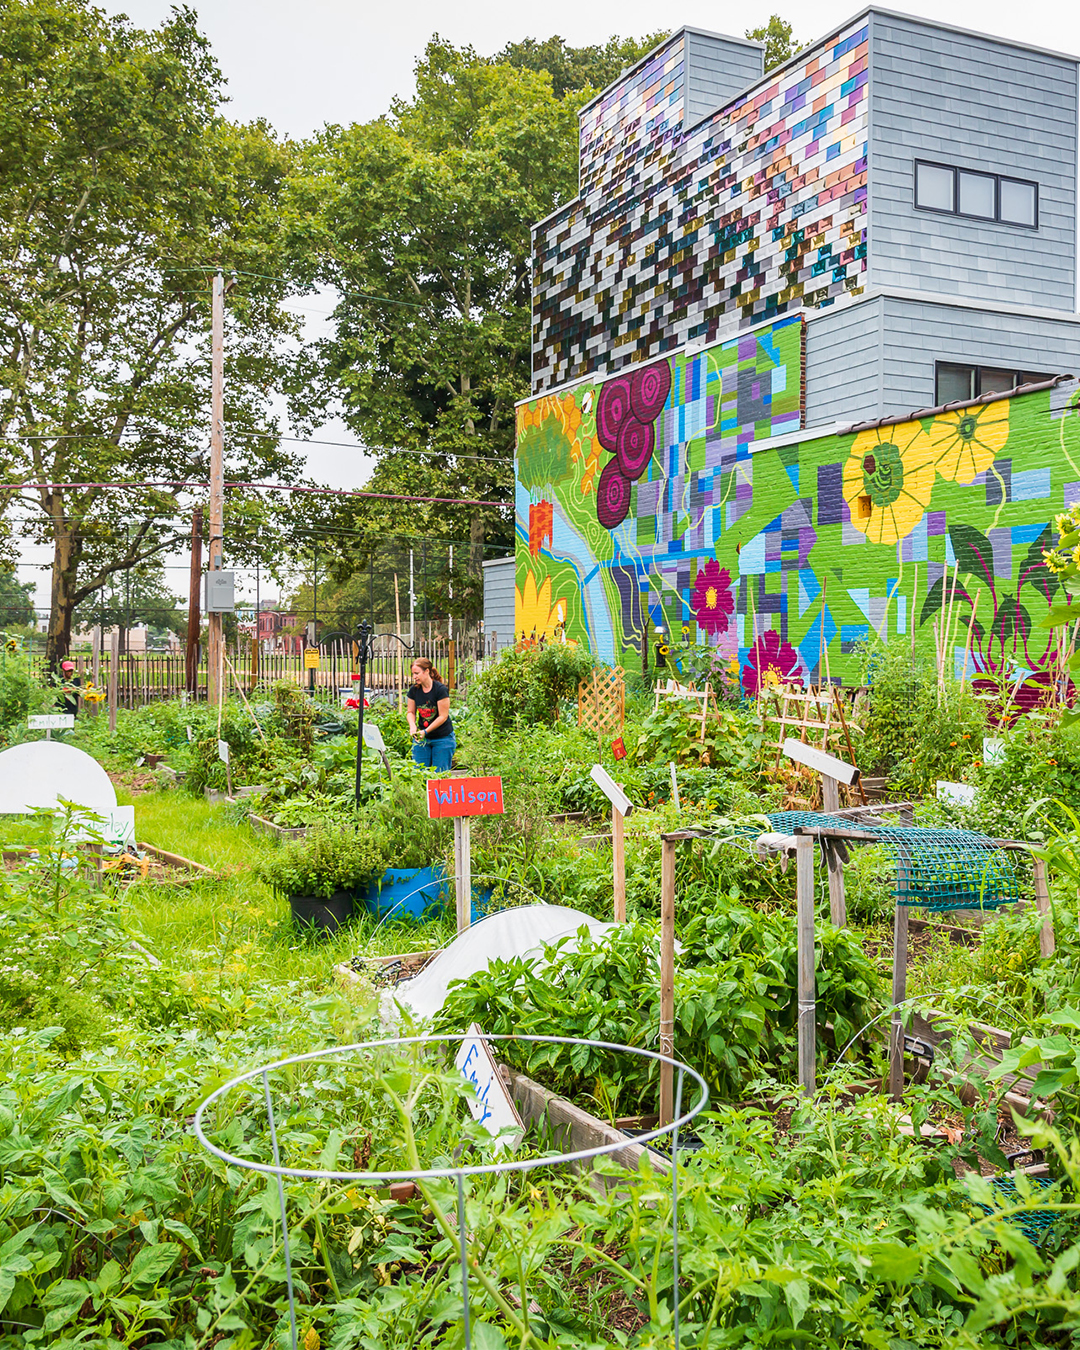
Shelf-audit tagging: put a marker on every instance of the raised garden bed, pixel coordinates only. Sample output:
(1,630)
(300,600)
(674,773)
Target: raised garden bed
(261,825)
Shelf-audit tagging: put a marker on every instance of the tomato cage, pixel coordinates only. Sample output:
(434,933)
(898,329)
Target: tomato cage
(364,1055)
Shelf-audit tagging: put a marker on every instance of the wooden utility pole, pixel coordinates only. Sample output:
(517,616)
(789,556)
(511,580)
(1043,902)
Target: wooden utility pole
(191,655)
(215,674)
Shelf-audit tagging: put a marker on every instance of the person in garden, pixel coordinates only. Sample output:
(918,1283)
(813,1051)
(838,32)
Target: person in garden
(428,711)
(70,684)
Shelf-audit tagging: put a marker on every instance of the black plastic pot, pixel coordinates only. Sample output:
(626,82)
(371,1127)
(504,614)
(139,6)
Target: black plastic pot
(322,914)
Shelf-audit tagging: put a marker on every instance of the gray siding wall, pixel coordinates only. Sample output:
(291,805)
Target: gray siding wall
(978,104)
(715,70)
(917,334)
(499,600)
(843,363)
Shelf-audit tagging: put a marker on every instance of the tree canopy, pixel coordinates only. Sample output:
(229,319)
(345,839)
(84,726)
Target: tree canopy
(121,187)
(779,42)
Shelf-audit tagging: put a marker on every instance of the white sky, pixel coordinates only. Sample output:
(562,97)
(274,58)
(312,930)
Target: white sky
(303,63)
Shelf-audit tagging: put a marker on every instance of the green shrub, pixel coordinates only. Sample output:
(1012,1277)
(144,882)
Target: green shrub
(328,858)
(529,683)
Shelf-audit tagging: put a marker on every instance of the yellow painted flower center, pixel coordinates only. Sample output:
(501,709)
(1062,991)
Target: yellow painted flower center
(710,598)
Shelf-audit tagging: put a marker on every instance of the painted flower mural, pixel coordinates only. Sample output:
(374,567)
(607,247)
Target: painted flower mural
(713,601)
(772,661)
(534,611)
(967,441)
(626,412)
(888,479)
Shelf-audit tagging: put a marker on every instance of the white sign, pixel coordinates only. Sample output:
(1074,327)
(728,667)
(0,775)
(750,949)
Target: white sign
(373,738)
(223,750)
(492,1107)
(51,721)
(824,763)
(959,794)
(611,790)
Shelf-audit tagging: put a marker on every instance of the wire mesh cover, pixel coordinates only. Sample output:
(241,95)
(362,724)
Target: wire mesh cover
(1035,1224)
(936,869)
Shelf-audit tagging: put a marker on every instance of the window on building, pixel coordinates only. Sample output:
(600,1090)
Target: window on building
(953,383)
(979,196)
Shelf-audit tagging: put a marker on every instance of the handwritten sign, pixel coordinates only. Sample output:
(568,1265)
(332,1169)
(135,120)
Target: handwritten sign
(373,738)
(492,1107)
(51,721)
(464,797)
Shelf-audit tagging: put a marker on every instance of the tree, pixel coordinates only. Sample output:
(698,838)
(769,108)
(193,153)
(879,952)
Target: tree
(16,600)
(141,596)
(574,69)
(778,40)
(425,217)
(121,189)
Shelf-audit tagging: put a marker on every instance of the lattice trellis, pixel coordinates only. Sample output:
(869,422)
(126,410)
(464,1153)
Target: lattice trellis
(601,702)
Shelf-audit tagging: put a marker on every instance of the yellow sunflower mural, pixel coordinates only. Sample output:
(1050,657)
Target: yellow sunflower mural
(968,440)
(534,613)
(888,479)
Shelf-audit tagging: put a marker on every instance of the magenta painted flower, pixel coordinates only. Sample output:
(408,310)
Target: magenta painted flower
(772,661)
(612,496)
(713,601)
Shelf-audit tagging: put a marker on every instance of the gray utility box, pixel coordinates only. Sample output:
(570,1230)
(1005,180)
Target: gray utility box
(218,593)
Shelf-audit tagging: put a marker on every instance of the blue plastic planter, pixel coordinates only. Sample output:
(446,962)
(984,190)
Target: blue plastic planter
(406,893)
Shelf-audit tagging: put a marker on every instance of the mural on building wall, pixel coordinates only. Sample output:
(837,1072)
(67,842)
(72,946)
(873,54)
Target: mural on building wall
(643,505)
(756,211)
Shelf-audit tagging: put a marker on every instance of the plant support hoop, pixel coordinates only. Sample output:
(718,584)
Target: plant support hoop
(458,1174)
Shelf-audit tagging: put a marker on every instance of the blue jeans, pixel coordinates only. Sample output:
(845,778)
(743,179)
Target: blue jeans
(436,754)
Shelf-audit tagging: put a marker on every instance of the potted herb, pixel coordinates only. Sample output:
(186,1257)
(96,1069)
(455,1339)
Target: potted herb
(321,873)
(414,844)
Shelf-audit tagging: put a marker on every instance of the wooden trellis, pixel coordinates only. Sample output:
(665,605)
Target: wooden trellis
(705,698)
(601,702)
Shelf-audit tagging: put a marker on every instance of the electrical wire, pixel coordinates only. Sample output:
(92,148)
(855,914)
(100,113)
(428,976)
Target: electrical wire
(268,487)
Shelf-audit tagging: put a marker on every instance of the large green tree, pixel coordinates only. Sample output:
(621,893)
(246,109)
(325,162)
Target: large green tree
(16,600)
(779,39)
(424,218)
(576,69)
(121,188)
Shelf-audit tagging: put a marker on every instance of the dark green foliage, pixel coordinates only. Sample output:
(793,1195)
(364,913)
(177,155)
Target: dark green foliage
(734,998)
(780,43)
(528,684)
(16,600)
(399,825)
(574,69)
(328,858)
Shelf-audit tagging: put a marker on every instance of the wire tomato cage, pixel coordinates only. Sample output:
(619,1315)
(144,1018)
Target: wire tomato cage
(458,1173)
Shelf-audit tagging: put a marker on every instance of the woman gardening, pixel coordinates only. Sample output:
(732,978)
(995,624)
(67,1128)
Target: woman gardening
(428,710)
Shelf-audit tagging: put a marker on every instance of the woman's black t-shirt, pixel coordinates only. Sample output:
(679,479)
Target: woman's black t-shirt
(427,709)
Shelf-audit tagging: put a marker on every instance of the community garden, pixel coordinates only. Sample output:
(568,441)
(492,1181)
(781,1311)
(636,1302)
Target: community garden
(129,994)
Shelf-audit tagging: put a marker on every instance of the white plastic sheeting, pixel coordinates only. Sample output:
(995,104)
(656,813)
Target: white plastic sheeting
(39,773)
(508,933)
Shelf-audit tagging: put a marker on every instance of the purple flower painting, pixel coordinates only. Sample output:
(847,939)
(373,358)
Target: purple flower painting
(713,601)
(772,661)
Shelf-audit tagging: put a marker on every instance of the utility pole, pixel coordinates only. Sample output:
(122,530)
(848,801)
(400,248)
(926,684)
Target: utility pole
(215,681)
(191,656)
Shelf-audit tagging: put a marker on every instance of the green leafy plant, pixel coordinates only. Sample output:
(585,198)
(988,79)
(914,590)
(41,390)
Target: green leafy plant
(327,859)
(528,683)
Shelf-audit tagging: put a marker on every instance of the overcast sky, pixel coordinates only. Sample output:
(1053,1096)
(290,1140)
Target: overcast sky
(304,63)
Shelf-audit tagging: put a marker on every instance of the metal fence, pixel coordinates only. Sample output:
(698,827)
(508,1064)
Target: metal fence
(149,677)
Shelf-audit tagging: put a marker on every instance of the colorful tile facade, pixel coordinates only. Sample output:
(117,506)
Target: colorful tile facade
(680,234)
(680,500)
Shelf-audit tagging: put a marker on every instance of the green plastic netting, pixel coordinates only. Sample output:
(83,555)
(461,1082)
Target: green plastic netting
(936,869)
(1035,1223)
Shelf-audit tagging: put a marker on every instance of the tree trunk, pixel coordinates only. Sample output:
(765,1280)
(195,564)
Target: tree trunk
(477,536)
(61,602)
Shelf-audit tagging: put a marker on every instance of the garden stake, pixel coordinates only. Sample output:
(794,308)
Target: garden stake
(950,627)
(240,691)
(675,1211)
(807,1027)
(1042,904)
(618,864)
(914,611)
(847,738)
(281,1201)
(899,982)
(463,1252)
(114,661)
(667,975)
(971,632)
(674,786)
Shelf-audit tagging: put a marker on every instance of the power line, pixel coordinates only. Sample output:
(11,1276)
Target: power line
(268,487)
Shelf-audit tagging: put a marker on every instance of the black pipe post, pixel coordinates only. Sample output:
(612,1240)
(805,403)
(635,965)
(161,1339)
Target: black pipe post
(363,642)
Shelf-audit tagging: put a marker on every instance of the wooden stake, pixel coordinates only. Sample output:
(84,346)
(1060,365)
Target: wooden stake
(667,977)
(967,645)
(914,611)
(397,622)
(950,626)
(847,737)
(1042,904)
(899,993)
(618,864)
(804,866)
(462,872)
(674,786)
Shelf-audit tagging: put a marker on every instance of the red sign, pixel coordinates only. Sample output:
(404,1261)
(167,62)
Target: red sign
(464,797)
(618,749)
